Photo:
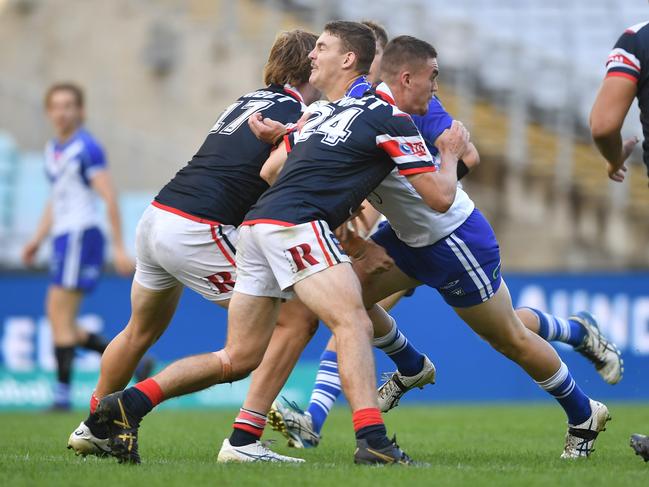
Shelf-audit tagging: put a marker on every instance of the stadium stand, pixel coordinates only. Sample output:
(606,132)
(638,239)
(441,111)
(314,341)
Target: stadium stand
(521,74)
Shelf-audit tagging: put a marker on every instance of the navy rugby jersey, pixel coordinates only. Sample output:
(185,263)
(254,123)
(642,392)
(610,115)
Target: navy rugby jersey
(342,153)
(222,180)
(630,59)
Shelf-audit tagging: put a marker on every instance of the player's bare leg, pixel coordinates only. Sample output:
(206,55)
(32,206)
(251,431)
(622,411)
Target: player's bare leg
(302,428)
(295,326)
(250,326)
(496,322)
(62,306)
(582,332)
(335,296)
(62,309)
(151,313)
(150,316)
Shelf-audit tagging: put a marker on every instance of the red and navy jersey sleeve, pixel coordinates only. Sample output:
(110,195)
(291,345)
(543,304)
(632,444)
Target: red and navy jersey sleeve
(627,58)
(401,140)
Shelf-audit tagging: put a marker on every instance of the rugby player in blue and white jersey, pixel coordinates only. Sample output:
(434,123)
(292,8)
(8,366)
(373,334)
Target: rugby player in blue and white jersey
(627,76)
(75,165)
(186,238)
(455,251)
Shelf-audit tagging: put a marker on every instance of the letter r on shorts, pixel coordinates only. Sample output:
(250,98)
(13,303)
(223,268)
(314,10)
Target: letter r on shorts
(223,281)
(301,253)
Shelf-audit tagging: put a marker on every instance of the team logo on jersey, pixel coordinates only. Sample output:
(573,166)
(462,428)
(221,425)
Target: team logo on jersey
(300,255)
(413,148)
(221,282)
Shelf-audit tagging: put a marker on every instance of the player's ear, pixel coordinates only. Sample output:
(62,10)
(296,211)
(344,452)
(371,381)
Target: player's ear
(405,78)
(349,60)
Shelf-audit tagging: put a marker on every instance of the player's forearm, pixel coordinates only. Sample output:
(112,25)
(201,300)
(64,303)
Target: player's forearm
(115,221)
(610,146)
(44,225)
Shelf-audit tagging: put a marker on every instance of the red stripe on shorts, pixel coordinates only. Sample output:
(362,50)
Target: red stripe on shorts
(221,247)
(324,251)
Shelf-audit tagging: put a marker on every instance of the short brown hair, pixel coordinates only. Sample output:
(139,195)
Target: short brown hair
(288,61)
(73,88)
(404,51)
(356,38)
(379,32)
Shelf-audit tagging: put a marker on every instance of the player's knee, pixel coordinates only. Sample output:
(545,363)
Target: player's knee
(512,345)
(301,325)
(140,337)
(356,323)
(238,364)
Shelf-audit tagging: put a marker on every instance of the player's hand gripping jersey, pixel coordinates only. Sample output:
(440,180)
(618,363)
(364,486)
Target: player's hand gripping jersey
(222,180)
(342,153)
(630,59)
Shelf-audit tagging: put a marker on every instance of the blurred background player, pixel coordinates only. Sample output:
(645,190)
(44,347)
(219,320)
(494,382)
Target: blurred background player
(627,76)
(75,165)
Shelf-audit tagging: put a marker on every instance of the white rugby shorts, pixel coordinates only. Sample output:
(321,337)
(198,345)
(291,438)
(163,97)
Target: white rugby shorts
(172,246)
(271,257)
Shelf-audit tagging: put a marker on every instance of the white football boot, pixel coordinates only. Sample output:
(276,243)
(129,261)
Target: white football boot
(255,452)
(601,352)
(294,424)
(580,438)
(83,442)
(398,384)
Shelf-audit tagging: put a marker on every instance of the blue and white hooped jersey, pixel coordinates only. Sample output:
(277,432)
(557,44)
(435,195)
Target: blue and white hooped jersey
(70,168)
(413,221)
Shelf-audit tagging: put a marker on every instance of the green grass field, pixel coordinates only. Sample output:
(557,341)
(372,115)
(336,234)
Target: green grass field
(464,445)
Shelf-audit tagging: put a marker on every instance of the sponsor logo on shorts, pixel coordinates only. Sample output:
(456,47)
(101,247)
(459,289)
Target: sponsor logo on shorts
(496,272)
(450,284)
(333,238)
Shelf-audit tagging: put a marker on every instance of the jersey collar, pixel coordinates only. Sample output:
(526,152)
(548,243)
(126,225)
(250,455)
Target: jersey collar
(385,93)
(358,84)
(291,90)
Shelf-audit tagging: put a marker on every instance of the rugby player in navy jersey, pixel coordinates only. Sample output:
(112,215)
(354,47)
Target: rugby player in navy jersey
(456,252)
(627,76)
(187,238)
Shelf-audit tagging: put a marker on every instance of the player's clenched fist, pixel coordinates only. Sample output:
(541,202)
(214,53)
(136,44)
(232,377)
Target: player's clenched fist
(454,140)
(266,129)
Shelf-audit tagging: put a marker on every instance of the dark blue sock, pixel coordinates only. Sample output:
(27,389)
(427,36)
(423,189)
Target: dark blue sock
(552,328)
(136,402)
(565,390)
(408,359)
(375,435)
